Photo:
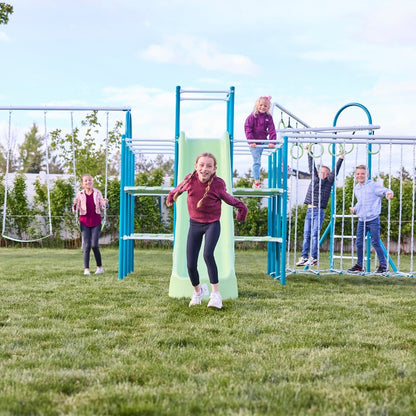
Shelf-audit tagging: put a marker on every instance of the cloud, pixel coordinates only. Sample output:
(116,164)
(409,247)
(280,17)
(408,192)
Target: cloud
(392,23)
(4,37)
(188,50)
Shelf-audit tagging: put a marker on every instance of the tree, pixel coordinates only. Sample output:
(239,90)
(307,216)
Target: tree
(30,152)
(88,149)
(5,11)
(9,152)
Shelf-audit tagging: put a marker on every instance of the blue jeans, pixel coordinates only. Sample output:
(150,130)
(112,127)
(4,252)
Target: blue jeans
(373,227)
(311,231)
(256,153)
(197,230)
(90,236)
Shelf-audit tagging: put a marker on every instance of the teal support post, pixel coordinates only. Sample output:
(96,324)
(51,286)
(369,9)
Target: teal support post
(230,125)
(284,211)
(271,217)
(126,208)
(123,211)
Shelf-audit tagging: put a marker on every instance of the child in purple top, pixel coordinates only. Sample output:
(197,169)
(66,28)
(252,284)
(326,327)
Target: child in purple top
(89,202)
(205,193)
(259,124)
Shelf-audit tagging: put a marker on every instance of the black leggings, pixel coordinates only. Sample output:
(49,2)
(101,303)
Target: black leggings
(193,246)
(90,236)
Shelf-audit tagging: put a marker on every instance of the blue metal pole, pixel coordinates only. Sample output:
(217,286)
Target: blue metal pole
(123,213)
(284,213)
(230,125)
(270,223)
(177,132)
(176,156)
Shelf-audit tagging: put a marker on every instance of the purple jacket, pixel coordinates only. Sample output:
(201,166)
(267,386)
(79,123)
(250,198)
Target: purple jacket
(258,127)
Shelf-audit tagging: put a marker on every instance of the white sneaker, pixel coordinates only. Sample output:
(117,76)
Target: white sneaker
(99,270)
(86,271)
(197,297)
(215,300)
(302,261)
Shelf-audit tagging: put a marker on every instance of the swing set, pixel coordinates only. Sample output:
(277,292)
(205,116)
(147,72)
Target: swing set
(35,228)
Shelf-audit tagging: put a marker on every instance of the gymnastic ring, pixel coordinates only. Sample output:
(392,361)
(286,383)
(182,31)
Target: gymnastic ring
(299,145)
(312,154)
(335,154)
(374,153)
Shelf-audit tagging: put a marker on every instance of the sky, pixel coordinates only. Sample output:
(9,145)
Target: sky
(311,57)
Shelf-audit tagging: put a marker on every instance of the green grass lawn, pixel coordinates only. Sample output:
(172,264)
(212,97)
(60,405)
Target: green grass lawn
(92,345)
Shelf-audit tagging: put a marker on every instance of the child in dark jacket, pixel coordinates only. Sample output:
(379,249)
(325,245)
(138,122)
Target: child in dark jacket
(316,199)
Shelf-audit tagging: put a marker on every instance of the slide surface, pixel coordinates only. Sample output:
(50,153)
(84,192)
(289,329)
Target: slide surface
(180,285)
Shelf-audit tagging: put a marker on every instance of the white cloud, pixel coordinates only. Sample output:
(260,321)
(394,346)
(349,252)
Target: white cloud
(4,37)
(189,50)
(392,23)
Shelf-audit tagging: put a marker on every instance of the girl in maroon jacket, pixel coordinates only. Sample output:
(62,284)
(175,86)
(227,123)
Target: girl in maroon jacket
(205,193)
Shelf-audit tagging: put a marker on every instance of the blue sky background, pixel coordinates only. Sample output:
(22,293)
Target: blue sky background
(311,57)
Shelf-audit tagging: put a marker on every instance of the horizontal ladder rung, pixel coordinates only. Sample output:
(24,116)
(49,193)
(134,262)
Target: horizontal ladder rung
(137,236)
(147,190)
(257,191)
(266,239)
(140,236)
(164,190)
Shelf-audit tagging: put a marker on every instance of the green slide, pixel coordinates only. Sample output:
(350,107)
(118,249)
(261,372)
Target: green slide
(180,285)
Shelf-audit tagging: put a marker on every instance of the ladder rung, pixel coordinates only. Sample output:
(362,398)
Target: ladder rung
(147,190)
(137,236)
(257,191)
(267,239)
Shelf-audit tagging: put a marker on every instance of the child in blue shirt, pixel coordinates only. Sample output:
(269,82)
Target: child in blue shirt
(368,208)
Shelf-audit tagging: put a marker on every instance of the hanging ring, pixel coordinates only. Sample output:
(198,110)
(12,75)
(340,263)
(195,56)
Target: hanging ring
(371,151)
(311,145)
(299,148)
(341,149)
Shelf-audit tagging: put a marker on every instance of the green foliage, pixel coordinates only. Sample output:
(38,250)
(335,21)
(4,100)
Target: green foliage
(148,209)
(256,222)
(18,209)
(88,149)
(30,152)
(5,11)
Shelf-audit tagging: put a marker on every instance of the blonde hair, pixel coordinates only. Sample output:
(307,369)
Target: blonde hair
(84,175)
(256,104)
(363,167)
(205,154)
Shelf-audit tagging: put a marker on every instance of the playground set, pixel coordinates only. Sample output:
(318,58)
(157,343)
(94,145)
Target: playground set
(283,203)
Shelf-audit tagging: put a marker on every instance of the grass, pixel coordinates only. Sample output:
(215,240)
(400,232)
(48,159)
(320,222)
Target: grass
(92,345)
